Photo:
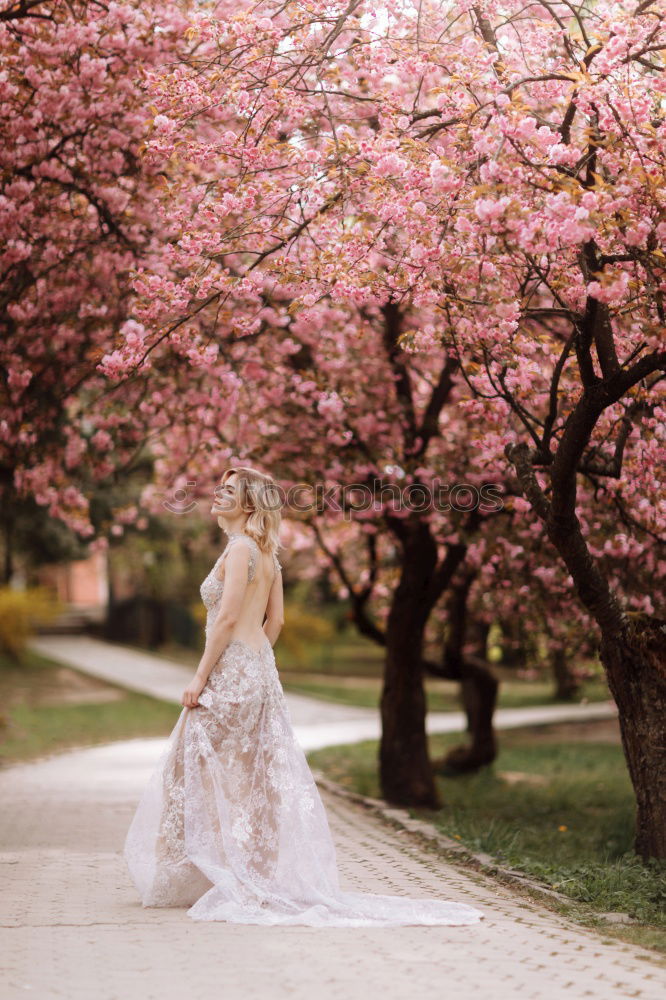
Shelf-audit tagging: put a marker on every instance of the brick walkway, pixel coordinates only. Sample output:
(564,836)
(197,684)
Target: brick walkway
(72,926)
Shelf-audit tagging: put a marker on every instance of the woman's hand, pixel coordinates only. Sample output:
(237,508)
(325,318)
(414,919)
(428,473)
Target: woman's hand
(191,693)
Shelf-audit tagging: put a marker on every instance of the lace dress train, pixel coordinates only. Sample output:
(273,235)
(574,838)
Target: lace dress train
(231,824)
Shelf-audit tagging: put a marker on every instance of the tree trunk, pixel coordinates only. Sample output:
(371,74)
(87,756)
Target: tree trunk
(479,695)
(405,770)
(566,685)
(478,685)
(514,652)
(633,646)
(635,664)
(478,632)
(7,560)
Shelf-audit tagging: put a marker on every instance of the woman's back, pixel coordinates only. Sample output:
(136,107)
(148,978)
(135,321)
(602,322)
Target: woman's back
(263,592)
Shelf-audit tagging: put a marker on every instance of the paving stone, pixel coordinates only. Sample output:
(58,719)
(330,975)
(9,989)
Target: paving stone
(71,925)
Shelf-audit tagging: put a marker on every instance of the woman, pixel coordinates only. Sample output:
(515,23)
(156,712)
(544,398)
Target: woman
(231,823)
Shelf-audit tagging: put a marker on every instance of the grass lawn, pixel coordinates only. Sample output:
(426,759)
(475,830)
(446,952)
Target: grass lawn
(46,707)
(349,672)
(442,696)
(557,805)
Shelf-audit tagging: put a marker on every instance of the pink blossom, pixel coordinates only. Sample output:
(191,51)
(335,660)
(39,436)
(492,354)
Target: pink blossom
(102,440)
(463,224)
(163,124)
(525,129)
(490,209)
(610,291)
(19,379)
(390,165)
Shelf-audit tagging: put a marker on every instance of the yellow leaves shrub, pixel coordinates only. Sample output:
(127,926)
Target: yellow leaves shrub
(20,612)
(302,629)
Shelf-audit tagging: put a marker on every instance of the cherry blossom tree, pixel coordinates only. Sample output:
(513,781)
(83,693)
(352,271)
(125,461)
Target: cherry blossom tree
(496,168)
(583,271)
(76,217)
(309,419)
(399,243)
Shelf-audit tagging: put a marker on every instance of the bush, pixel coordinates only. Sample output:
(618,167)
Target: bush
(301,630)
(20,612)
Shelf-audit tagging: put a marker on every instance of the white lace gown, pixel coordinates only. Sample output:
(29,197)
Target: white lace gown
(231,824)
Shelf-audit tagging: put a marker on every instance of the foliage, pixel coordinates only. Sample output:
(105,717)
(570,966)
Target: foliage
(303,628)
(462,206)
(20,612)
(76,215)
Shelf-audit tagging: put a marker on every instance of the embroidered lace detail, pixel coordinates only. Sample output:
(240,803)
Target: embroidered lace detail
(231,824)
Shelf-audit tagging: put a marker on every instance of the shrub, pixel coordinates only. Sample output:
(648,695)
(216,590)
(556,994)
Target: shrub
(301,630)
(20,612)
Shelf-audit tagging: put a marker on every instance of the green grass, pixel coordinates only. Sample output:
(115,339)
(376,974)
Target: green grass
(342,657)
(346,655)
(349,672)
(48,708)
(572,831)
(442,696)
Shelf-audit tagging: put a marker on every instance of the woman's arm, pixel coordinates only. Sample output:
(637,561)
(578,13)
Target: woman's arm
(275,610)
(235,584)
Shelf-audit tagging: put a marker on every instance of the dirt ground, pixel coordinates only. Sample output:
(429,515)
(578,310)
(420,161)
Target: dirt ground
(54,686)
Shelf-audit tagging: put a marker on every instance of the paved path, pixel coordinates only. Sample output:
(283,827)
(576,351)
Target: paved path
(72,927)
(317,723)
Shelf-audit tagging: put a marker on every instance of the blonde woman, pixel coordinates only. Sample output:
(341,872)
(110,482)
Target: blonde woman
(231,824)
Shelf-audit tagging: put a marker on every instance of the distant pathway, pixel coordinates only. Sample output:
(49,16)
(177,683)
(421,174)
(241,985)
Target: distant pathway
(317,723)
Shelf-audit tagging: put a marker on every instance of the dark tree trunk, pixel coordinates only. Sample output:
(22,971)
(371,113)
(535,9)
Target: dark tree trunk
(633,646)
(635,664)
(478,632)
(514,652)
(478,688)
(8,550)
(479,695)
(405,770)
(566,685)
(633,652)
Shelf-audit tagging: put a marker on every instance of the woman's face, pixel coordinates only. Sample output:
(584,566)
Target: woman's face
(225,504)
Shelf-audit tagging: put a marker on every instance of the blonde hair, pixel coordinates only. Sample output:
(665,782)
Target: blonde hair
(258,497)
